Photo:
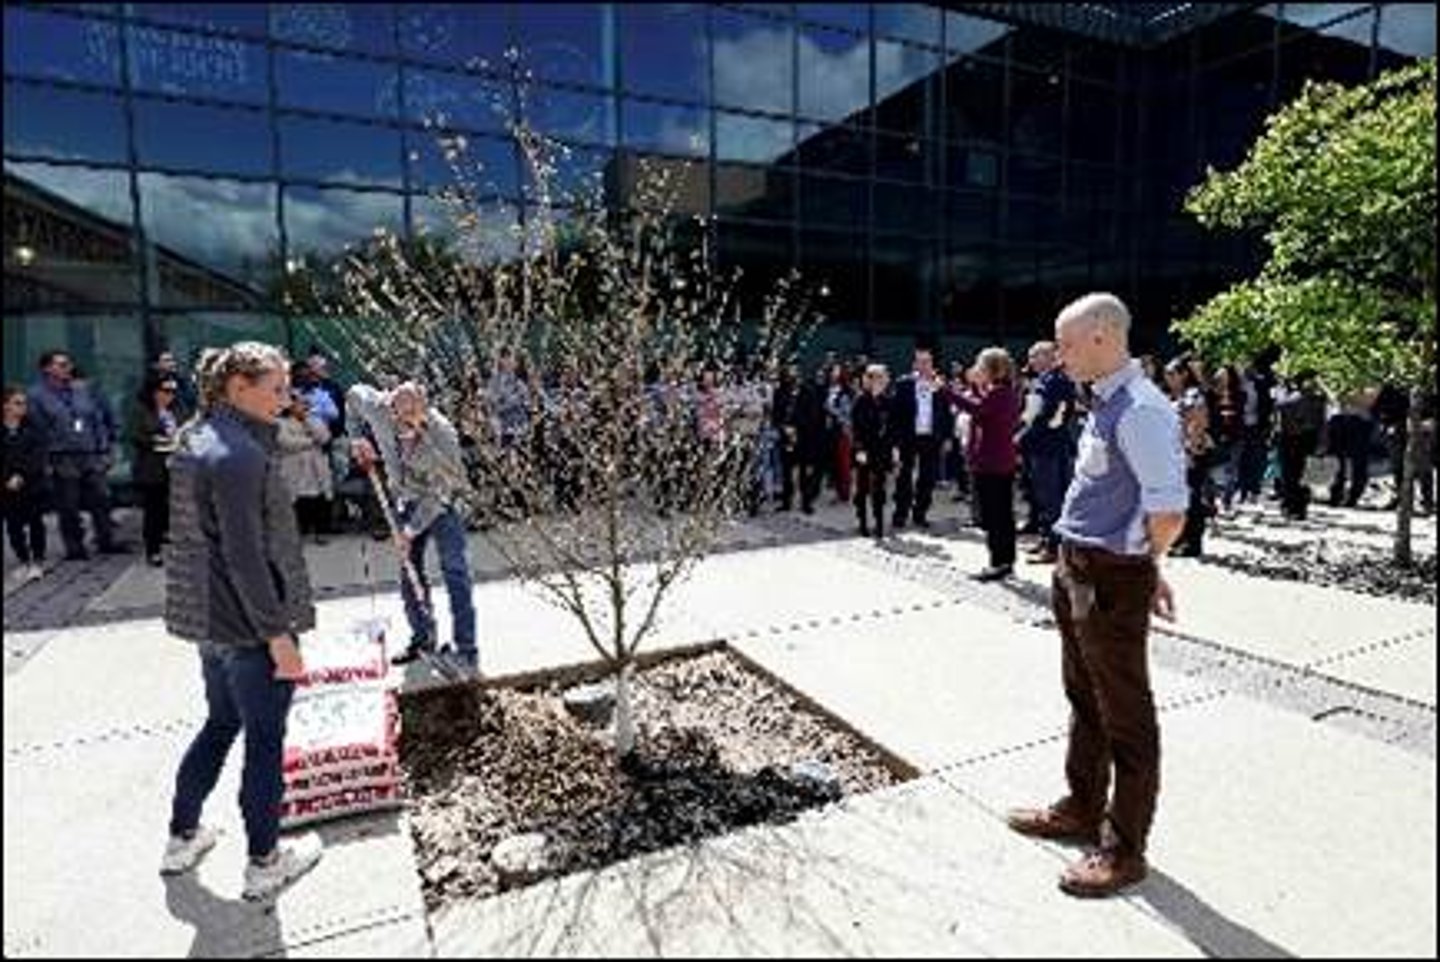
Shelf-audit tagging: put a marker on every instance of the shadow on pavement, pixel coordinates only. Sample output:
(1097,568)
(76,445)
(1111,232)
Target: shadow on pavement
(1217,936)
(223,927)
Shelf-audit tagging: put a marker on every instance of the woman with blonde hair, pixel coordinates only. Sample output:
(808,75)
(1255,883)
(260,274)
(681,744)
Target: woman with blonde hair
(237,585)
(994,406)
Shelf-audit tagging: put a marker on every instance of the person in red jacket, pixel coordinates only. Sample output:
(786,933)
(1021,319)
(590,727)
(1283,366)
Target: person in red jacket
(994,406)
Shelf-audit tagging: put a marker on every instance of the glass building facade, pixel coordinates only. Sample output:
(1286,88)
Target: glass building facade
(952,174)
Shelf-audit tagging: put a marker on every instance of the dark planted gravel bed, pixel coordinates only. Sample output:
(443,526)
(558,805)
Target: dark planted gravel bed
(1368,570)
(719,748)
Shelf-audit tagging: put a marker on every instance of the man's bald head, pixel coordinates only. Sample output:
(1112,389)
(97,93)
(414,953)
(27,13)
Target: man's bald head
(1093,334)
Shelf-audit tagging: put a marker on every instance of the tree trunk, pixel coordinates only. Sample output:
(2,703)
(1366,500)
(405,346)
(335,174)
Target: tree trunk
(1405,484)
(624,716)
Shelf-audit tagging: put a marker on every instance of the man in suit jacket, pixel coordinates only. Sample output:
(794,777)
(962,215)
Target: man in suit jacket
(922,419)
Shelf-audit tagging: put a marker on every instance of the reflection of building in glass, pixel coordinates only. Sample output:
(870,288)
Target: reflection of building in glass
(952,171)
(60,255)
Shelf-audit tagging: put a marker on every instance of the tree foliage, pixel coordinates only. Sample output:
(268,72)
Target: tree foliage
(1342,183)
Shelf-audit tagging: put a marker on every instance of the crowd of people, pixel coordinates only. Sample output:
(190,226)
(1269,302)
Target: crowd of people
(1120,461)
(884,443)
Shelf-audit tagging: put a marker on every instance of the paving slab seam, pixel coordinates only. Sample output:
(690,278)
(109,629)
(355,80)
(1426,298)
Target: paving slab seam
(1374,646)
(1235,669)
(1178,704)
(329,929)
(121,734)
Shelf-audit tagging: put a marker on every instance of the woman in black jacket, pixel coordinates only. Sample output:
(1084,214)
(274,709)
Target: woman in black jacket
(238,586)
(151,433)
(24,484)
(874,446)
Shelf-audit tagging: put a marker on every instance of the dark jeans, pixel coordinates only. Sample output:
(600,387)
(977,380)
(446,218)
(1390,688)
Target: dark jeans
(155,503)
(1254,452)
(995,494)
(1350,444)
(1197,513)
(312,514)
(870,487)
(1050,473)
(25,525)
(241,692)
(82,485)
(449,533)
(1295,451)
(915,492)
(1102,603)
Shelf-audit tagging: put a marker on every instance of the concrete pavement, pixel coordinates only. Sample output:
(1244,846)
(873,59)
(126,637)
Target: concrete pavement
(1298,725)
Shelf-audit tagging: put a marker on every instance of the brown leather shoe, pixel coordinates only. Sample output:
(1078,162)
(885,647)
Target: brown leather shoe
(1101,873)
(1053,822)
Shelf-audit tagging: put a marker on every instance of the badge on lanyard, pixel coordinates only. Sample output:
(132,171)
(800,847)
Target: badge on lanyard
(79,425)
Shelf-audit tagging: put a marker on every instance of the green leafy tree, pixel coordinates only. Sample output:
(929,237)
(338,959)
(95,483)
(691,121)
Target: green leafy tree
(1342,183)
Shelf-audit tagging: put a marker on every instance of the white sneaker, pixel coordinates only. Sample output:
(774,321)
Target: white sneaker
(295,858)
(35,572)
(182,854)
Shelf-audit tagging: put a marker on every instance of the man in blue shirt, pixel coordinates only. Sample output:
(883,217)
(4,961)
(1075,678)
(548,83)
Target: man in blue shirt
(1046,445)
(1123,511)
(80,433)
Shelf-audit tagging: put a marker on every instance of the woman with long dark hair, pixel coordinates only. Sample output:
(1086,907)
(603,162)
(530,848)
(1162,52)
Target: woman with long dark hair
(151,430)
(1188,397)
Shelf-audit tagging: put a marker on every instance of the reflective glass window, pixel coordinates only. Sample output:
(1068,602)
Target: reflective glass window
(336,84)
(918,22)
(579,172)
(834,202)
(754,62)
(491,162)
(320,222)
(841,150)
(904,272)
(1408,28)
(41,44)
(1093,122)
(903,207)
(361,27)
(975,101)
(1036,111)
(493,236)
(64,124)
(852,16)
(972,167)
(840,261)
(339,153)
(195,65)
(965,34)
(457,100)
(906,158)
(1039,176)
(571,115)
(757,193)
(762,252)
(662,50)
(563,41)
(685,191)
(970,216)
(665,128)
(758,140)
(1030,220)
(467,35)
(208,241)
(907,93)
(68,237)
(1095,60)
(248,18)
(834,74)
(208,139)
(1038,48)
